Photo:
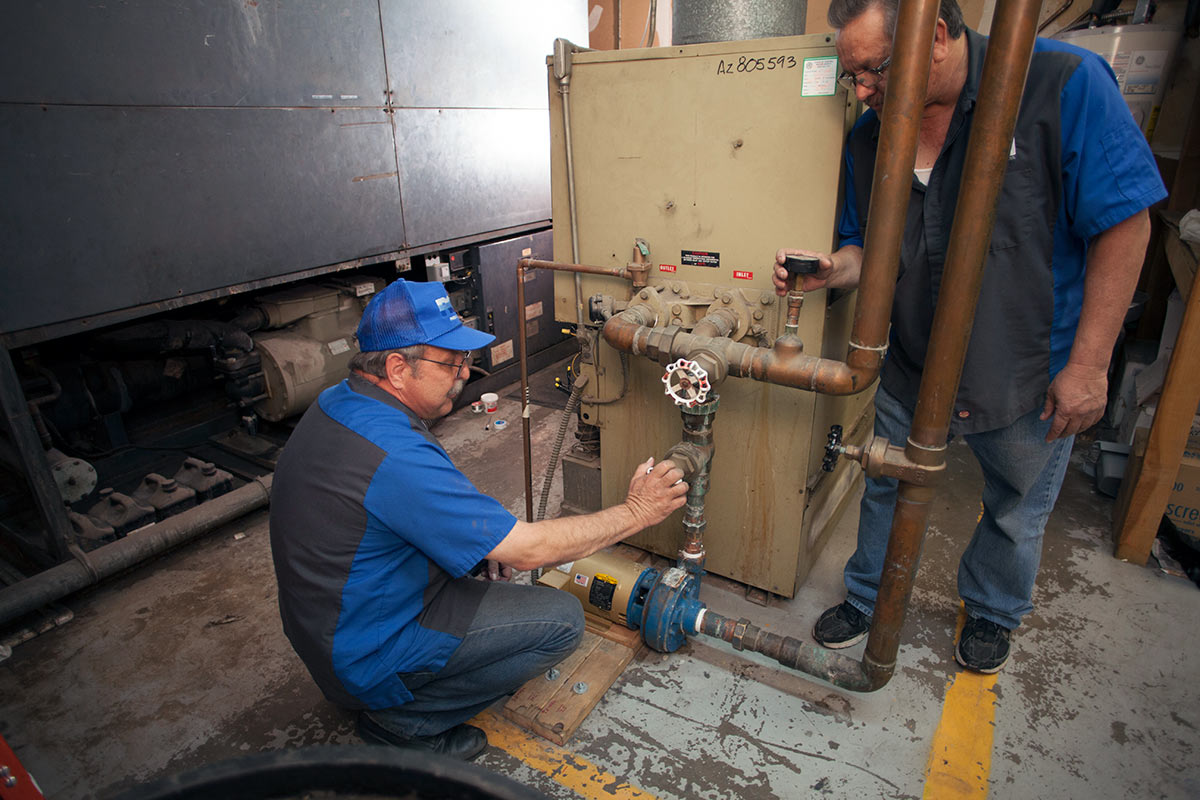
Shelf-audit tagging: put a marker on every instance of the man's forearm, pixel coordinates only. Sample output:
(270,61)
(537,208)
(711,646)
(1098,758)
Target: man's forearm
(557,541)
(1113,266)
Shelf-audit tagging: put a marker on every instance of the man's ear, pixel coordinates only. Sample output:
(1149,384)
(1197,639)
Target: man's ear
(941,41)
(397,369)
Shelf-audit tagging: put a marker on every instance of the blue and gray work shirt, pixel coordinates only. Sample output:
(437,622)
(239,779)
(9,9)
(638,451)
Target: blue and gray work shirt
(1078,165)
(373,533)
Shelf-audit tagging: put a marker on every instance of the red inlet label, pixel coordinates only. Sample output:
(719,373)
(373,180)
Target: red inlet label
(744,275)
(666,267)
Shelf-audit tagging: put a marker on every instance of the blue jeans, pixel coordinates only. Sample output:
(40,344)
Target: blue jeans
(518,632)
(1022,474)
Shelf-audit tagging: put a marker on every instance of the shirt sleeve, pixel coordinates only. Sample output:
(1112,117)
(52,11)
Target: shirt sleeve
(423,498)
(849,229)
(1109,173)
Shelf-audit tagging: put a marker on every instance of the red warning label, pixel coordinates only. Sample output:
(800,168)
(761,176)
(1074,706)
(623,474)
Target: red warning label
(743,274)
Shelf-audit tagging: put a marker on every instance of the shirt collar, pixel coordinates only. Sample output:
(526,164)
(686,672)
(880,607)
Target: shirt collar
(976,48)
(364,387)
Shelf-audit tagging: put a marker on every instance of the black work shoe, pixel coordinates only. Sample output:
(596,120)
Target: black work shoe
(841,626)
(982,646)
(463,741)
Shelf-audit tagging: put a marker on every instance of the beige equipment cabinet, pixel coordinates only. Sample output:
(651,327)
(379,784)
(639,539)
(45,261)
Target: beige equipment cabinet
(716,155)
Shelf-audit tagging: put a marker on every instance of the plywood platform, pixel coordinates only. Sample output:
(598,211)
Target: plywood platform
(554,704)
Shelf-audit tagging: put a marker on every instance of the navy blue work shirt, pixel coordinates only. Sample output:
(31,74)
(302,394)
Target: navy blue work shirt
(373,534)
(1078,165)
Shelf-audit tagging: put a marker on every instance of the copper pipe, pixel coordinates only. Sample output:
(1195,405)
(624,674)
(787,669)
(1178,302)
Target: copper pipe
(891,185)
(783,367)
(1004,70)
(533,263)
(522,265)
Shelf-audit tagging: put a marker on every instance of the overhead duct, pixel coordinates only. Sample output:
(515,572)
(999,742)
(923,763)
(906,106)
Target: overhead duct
(699,21)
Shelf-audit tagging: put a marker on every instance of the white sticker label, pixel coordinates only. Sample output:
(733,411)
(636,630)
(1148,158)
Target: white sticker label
(565,568)
(581,579)
(820,77)
(363,289)
(502,352)
(338,346)
(1146,68)
(533,310)
(526,252)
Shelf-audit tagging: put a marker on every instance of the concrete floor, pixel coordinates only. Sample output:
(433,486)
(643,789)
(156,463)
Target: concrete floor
(182,663)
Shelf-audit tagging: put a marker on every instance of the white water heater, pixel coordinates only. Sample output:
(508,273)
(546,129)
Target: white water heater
(1141,56)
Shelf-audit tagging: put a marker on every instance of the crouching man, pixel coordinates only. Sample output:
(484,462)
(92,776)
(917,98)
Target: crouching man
(375,533)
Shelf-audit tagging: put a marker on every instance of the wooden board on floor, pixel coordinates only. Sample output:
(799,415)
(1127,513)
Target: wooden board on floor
(552,708)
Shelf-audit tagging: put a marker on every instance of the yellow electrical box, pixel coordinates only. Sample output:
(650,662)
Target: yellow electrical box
(714,155)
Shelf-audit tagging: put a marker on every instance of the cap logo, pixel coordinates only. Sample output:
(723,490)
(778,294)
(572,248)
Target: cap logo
(446,310)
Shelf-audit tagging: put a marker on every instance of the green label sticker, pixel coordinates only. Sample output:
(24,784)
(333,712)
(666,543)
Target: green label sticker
(820,77)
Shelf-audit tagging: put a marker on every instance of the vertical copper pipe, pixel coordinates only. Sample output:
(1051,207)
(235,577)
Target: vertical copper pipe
(891,184)
(525,436)
(1004,70)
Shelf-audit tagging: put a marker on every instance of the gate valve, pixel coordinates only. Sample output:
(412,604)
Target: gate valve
(686,382)
(833,448)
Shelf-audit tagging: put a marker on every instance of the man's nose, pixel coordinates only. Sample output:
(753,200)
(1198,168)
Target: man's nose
(863,92)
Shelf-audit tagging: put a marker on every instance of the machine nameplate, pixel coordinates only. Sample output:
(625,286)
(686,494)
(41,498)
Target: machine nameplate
(338,346)
(700,258)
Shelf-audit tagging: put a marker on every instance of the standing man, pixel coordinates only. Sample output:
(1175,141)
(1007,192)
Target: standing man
(375,534)
(1070,235)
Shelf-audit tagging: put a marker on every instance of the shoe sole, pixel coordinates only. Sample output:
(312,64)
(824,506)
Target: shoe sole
(853,640)
(981,670)
(372,733)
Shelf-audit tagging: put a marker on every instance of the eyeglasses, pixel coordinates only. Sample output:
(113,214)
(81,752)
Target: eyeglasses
(868,78)
(464,361)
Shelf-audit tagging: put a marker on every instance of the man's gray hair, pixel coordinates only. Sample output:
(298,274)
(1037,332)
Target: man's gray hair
(375,362)
(843,12)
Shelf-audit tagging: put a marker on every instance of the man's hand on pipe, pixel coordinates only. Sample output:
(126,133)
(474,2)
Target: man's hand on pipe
(1075,399)
(808,283)
(655,490)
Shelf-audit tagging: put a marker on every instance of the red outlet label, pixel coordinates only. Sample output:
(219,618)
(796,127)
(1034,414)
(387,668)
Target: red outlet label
(666,267)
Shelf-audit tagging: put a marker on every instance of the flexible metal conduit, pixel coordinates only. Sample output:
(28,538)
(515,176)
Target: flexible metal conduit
(89,568)
(563,423)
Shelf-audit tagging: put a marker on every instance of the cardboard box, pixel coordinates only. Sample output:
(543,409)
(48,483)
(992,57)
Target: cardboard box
(1183,506)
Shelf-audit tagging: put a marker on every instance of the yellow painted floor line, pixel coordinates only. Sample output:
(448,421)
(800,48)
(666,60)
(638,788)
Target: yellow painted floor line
(577,774)
(960,757)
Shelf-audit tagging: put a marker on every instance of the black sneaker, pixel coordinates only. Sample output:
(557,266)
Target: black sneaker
(463,742)
(841,626)
(983,646)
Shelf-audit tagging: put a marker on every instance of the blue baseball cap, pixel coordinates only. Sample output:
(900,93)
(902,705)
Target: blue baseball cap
(407,313)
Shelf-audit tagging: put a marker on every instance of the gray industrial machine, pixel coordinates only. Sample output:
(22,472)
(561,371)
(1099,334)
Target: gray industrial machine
(199,201)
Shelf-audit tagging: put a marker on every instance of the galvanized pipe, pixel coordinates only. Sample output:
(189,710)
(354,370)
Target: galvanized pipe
(835,667)
(89,568)
(698,435)
(1004,70)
